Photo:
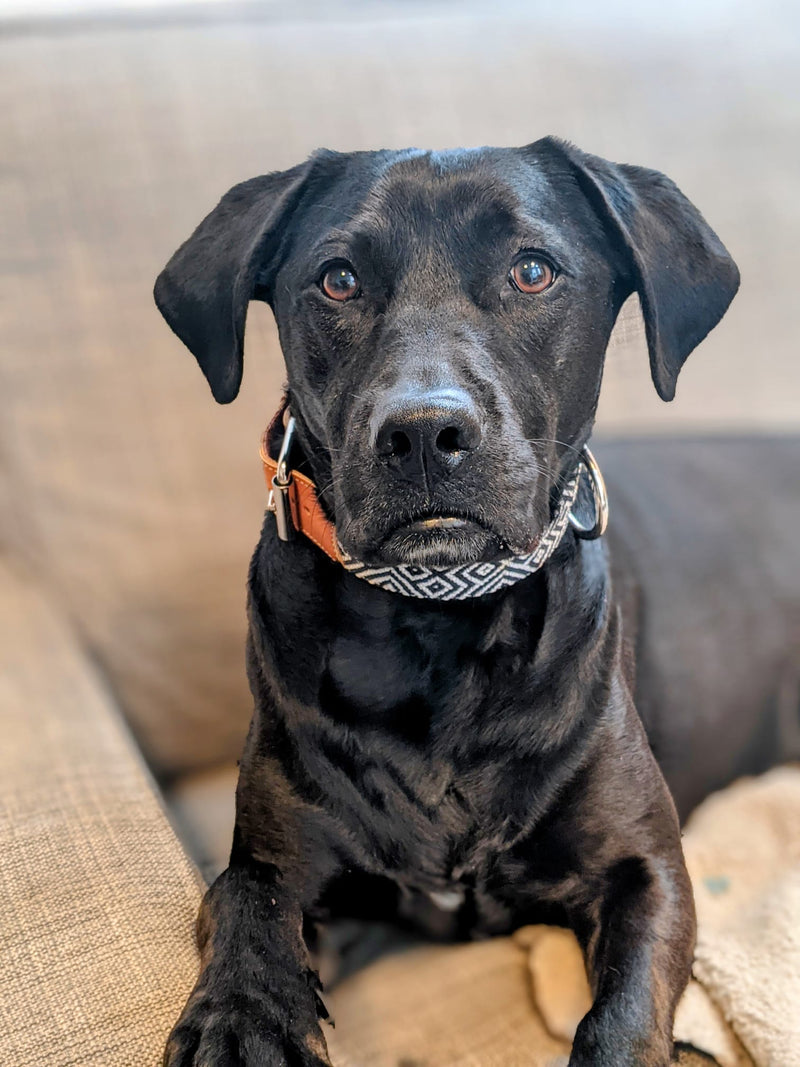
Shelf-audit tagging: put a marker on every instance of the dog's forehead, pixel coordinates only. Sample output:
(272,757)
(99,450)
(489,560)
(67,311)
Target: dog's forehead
(415,186)
(391,194)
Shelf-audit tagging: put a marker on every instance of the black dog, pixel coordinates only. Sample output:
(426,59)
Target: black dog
(474,765)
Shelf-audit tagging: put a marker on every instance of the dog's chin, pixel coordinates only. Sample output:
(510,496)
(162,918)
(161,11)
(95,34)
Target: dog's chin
(439,541)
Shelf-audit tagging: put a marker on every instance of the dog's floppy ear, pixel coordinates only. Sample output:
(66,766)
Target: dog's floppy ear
(682,272)
(204,290)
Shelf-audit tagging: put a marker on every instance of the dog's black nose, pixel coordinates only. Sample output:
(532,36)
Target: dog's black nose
(423,433)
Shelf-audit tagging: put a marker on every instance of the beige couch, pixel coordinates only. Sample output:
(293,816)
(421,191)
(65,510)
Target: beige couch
(129,502)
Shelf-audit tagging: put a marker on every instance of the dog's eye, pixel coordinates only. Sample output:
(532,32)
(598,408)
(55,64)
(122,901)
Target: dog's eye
(531,274)
(339,282)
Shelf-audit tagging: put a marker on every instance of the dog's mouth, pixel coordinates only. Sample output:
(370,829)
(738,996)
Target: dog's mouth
(439,522)
(440,540)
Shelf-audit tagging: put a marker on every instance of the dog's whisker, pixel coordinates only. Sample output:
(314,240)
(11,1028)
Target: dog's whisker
(552,441)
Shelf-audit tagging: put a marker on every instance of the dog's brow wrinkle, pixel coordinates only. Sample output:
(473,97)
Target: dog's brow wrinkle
(334,240)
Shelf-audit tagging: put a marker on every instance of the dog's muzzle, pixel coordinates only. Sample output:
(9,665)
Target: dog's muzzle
(294,502)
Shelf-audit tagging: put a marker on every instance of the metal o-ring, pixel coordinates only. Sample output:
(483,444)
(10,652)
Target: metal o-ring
(591,533)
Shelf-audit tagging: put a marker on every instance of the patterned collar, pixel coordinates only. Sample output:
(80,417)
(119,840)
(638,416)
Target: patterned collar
(294,502)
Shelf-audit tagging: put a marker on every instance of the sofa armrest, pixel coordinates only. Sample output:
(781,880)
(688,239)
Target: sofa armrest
(97,899)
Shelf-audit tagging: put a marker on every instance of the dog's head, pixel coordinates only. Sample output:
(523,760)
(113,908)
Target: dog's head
(444,318)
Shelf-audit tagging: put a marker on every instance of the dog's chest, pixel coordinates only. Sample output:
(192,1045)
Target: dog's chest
(431,811)
(413,699)
(415,754)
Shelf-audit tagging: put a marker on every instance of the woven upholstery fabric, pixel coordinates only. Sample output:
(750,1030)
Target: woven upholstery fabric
(97,899)
(129,491)
(459,1006)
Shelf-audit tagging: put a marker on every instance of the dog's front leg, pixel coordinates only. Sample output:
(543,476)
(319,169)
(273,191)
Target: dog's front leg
(255,1003)
(639,960)
(639,930)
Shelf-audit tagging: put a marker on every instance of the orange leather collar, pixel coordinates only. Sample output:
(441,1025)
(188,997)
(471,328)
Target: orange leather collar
(299,492)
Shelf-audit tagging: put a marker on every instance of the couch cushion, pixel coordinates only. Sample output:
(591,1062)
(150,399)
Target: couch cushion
(97,899)
(461,1006)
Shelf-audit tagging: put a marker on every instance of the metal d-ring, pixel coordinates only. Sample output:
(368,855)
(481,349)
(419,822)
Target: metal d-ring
(591,533)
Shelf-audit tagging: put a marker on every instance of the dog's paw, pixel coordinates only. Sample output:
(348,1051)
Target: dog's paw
(254,1036)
